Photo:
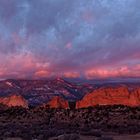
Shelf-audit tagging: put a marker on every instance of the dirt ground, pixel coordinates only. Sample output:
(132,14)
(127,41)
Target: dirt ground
(105,137)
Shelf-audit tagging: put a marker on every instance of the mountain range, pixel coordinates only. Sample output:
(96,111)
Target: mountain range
(58,93)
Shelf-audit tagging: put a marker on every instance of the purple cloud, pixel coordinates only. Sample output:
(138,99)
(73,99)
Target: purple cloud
(69,37)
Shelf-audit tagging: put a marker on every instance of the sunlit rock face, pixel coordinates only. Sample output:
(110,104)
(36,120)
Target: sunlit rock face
(111,96)
(14,100)
(57,102)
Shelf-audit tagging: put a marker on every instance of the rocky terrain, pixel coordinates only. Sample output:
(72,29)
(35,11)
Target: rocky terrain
(14,100)
(59,110)
(38,92)
(42,123)
(120,95)
(57,102)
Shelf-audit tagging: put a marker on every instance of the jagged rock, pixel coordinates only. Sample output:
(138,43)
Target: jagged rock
(57,102)
(14,100)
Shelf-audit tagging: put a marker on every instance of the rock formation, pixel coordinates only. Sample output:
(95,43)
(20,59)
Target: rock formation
(58,102)
(14,100)
(111,96)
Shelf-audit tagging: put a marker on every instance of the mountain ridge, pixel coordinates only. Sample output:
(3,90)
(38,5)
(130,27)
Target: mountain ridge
(38,92)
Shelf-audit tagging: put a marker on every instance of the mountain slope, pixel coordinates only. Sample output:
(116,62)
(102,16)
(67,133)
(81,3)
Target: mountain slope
(41,91)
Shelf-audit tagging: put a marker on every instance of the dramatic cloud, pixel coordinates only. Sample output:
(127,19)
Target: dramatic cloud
(76,38)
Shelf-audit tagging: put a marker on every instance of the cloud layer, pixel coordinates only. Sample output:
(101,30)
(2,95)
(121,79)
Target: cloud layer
(76,38)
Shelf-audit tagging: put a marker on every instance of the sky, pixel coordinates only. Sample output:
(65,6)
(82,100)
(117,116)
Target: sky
(69,38)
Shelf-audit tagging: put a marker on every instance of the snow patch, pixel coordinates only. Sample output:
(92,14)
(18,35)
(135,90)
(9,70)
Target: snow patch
(9,84)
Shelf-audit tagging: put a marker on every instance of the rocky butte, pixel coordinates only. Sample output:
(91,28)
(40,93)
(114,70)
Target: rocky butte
(14,100)
(103,95)
(111,96)
(118,95)
(57,102)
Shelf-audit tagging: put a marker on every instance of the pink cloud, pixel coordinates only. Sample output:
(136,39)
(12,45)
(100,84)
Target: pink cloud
(71,75)
(123,71)
(41,74)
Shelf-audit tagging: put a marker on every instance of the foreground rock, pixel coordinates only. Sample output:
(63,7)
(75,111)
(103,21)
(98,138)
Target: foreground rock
(14,100)
(57,102)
